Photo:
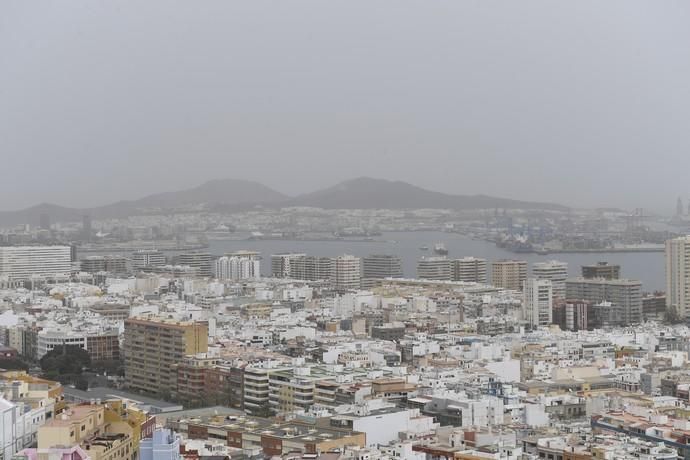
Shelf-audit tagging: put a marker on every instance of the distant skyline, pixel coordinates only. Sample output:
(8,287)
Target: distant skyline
(583,103)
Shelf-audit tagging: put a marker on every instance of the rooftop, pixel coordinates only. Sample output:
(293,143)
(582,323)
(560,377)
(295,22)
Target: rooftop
(103,393)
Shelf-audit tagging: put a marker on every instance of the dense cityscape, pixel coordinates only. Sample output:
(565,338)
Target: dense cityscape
(344,230)
(129,338)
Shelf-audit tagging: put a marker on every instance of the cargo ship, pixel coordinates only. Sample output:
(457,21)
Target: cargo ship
(440,249)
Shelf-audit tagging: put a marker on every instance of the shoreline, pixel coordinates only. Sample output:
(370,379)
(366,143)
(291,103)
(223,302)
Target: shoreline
(599,251)
(141,248)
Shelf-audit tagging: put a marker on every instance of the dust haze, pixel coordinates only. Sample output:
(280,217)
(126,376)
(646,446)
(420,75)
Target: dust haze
(584,103)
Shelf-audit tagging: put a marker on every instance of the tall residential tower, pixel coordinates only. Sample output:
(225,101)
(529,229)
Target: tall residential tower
(556,272)
(538,302)
(678,276)
(509,274)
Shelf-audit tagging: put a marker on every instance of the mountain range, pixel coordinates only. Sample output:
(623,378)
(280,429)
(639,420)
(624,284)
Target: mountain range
(236,194)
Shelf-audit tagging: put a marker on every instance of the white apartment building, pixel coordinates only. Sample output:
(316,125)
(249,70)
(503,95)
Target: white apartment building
(148,258)
(383,422)
(280,263)
(554,271)
(434,268)
(23,262)
(678,275)
(238,266)
(538,302)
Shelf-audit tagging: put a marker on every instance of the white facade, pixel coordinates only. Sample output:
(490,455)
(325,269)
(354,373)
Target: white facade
(48,340)
(23,262)
(403,451)
(163,445)
(280,264)
(538,302)
(19,425)
(678,275)
(554,271)
(383,425)
(238,266)
(434,268)
(148,258)
(8,428)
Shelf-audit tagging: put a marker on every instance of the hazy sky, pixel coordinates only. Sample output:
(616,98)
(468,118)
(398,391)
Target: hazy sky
(581,102)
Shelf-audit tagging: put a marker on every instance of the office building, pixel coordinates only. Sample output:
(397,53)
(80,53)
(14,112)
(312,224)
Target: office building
(601,270)
(147,258)
(554,271)
(622,293)
(654,306)
(380,266)
(19,263)
(678,277)
(111,264)
(434,268)
(679,207)
(117,264)
(101,346)
(347,273)
(509,274)
(572,315)
(201,261)
(92,264)
(538,302)
(280,264)
(469,270)
(238,266)
(311,268)
(153,346)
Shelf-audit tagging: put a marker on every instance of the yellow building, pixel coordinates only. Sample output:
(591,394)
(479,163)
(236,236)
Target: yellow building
(153,346)
(104,432)
(38,388)
(141,423)
(509,274)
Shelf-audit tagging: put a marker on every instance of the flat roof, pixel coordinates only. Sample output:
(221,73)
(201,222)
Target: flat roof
(210,411)
(104,393)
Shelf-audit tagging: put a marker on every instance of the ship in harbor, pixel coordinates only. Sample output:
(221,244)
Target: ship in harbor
(440,249)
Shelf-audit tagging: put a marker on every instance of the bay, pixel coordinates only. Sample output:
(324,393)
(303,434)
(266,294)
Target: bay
(647,267)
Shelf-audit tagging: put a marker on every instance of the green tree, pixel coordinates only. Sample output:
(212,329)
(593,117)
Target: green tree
(15,364)
(672,316)
(65,364)
(109,366)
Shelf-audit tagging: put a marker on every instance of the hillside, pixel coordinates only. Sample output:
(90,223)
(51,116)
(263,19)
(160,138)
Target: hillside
(225,192)
(230,194)
(368,193)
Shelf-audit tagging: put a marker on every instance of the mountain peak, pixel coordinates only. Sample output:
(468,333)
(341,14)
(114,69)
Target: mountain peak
(372,193)
(226,193)
(357,193)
